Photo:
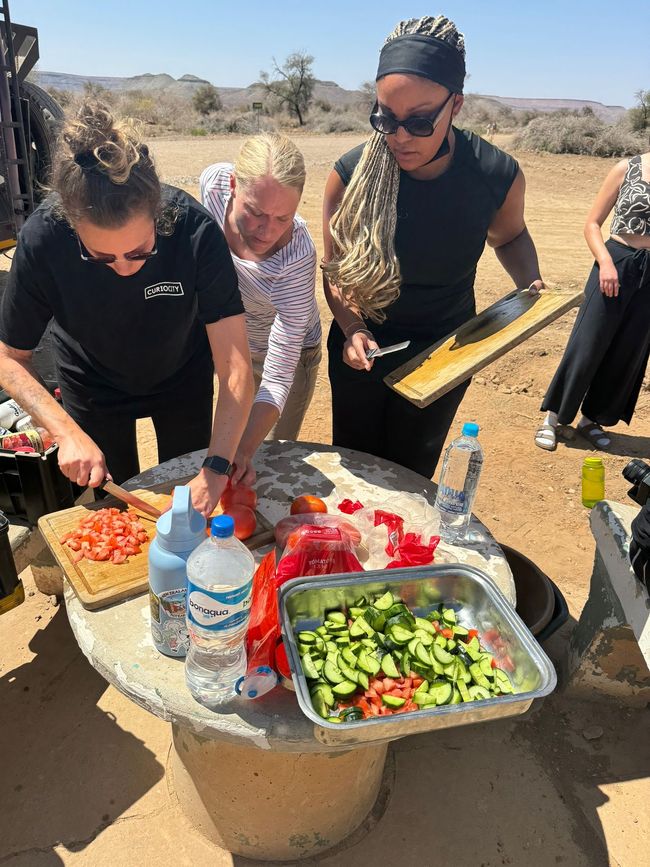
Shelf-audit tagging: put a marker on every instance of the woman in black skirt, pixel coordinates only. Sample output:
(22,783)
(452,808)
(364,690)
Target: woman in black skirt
(606,357)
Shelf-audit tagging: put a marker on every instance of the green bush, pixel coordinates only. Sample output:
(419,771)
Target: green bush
(561,133)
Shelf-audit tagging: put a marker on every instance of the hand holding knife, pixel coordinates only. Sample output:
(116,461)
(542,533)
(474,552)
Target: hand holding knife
(395,347)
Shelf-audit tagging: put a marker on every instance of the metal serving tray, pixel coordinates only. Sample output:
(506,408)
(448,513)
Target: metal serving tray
(480,605)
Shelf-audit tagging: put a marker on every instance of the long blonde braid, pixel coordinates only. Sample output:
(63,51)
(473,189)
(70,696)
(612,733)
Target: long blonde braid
(364,266)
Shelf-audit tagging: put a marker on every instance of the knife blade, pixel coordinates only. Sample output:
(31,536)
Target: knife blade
(127,497)
(396,347)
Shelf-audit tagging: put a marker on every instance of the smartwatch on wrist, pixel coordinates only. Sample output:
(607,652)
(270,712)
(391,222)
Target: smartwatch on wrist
(218,465)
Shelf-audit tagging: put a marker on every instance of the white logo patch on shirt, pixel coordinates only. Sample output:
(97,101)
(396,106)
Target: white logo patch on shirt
(163,289)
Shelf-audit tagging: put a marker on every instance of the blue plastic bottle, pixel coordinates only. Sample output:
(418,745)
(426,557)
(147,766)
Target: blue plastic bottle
(178,532)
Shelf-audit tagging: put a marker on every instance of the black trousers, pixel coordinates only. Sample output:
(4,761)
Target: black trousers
(370,417)
(605,359)
(180,428)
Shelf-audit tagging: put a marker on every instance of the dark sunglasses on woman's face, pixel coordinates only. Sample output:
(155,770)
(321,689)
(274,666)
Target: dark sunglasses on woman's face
(110,258)
(419,125)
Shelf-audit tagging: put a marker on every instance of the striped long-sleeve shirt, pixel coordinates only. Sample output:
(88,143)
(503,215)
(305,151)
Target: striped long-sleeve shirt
(282,315)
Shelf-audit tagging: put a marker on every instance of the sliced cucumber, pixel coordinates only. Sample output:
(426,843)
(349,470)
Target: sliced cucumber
(460,631)
(449,616)
(351,714)
(388,665)
(332,673)
(307,637)
(342,640)
(321,630)
(464,692)
(422,653)
(393,701)
(337,617)
(310,670)
(355,612)
(401,635)
(405,663)
(320,706)
(334,719)
(346,687)
(425,625)
(456,699)
(479,693)
(325,690)
(349,656)
(348,673)
(423,699)
(473,649)
(423,687)
(363,680)
(424,637)
(385,602)
(331,646)
(478,677)
(442,655)
(443,693)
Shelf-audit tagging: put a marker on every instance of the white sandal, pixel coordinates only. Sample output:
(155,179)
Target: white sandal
(546,437)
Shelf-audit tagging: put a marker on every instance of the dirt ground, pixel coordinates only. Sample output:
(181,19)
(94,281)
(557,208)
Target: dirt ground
(82,782)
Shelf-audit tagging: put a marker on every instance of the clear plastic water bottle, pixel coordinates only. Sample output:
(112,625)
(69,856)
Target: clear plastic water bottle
(220,579)
(459,479)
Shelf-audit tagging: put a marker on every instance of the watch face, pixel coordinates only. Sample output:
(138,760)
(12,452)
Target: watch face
(219,465)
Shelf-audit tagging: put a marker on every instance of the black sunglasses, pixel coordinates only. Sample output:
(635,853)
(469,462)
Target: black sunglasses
(109,258)
(417,125)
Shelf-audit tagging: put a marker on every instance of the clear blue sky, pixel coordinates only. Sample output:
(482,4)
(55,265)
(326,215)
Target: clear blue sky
(551,49)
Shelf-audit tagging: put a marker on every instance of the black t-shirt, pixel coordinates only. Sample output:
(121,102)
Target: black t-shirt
(442,227)
(122,340)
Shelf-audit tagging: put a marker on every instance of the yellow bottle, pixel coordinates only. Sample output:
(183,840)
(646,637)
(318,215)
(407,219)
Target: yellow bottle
(593,482)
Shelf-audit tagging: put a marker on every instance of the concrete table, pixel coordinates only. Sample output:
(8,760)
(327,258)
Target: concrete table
(252,777)
(609,652)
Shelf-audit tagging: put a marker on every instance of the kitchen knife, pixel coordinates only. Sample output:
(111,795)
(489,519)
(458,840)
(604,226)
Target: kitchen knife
(131,499)
(377,353)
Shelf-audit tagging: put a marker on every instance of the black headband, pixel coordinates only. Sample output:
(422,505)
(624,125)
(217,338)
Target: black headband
(427,56)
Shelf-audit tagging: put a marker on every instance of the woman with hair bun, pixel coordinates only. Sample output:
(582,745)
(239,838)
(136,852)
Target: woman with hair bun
(255,201)
(140,285)
(406,218)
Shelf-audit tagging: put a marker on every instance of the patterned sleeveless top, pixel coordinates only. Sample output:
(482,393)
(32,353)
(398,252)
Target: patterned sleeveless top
(632,209)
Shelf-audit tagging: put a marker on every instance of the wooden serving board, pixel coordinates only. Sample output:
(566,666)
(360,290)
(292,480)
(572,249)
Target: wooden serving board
(98,584)
(478,342)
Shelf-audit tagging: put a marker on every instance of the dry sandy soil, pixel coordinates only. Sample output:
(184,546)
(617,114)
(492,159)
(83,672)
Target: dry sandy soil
(77,742)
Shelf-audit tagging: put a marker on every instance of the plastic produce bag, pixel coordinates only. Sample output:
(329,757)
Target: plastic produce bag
(313,550)
(263,633)
(285,527)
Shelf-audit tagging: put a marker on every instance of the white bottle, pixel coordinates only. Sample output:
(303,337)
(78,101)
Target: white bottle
(10,413)
(458,483)
(220,579)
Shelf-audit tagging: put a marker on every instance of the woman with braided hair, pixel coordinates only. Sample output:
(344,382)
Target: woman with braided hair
(406,219)
(139,283)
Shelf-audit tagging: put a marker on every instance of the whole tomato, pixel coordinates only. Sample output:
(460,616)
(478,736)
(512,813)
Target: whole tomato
(307,503)
(241,495)
(245,520)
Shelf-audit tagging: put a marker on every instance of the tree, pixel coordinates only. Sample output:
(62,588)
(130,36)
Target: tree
(293,84)
(367,95)
(640,114)
(206,99)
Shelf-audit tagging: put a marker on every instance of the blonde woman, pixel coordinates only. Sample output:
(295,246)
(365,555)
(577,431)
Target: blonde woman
(255,203)
(143,294)
(406,218)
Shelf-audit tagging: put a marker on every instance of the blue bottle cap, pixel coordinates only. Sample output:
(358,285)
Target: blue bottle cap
(470,429)
(222,526)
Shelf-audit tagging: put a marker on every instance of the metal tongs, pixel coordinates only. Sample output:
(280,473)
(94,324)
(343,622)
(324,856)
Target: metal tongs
(396,347)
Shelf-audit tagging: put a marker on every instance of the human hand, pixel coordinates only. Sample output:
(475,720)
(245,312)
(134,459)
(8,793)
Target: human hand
(609,280)
(356,347)
(206,489)
(81,460)
(536,287)
(244,473)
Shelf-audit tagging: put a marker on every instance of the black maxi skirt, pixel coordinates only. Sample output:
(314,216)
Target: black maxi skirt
(606,357)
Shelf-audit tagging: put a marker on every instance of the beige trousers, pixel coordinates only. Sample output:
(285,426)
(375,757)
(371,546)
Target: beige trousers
(288,425)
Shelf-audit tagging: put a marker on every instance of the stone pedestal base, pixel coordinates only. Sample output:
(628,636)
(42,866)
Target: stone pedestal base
(273,806)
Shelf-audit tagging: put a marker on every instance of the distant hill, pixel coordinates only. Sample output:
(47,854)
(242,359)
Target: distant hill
(327,91)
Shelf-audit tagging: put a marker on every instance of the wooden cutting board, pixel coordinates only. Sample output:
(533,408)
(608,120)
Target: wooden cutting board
(98,584)
(478,342)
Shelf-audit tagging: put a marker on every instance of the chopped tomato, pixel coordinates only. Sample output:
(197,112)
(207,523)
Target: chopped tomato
(493,662)
(364,705)
(388,684)
(417,681)
(374,709)
(378,686)
(407,683)
(107,535)
(471,633)
(447,633)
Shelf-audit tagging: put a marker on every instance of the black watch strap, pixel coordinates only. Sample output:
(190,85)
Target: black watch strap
(218,465)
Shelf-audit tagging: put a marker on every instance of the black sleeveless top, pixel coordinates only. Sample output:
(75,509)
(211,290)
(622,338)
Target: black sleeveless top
(442,227)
